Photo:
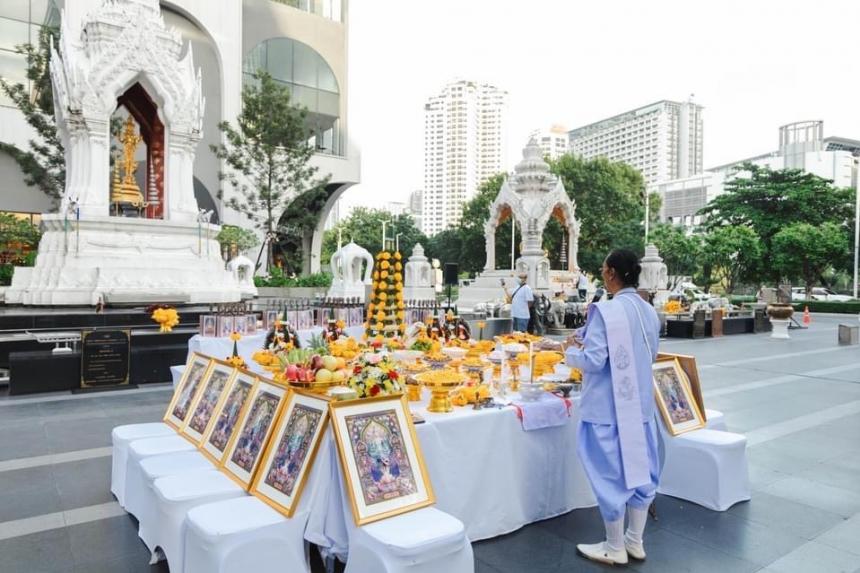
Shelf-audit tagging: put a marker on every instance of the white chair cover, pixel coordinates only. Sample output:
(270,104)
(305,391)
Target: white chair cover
(716,420)
(244,534)
(707,467)
(121,437)
(151,469)
(176,373)
(146,448)
(175,496)
(422,541)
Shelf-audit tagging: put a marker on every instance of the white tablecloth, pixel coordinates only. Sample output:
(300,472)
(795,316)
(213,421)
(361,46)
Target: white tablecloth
(485,469)
(222,347)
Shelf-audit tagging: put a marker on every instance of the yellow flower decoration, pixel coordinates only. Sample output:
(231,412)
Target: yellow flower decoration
(375,285)
(398,277)
(398,256)
(376,275)
(379,326)
(398,267)
(380,316)
(382,296)
(384,265)
(386,256)
(401,315)
(383,275)
(340,324)
(235,336)
(400,305)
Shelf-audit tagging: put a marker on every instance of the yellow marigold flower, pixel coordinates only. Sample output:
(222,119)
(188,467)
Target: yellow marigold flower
(380,315)
(384,265)
(235,336)
(379,326)
(398,267)
(340,324)
(398,256)
(375,285)
(386,255)
(401,315)
(382,296)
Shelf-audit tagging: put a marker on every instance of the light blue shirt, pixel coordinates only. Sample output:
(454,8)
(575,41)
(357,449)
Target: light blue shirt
(597,403)
(520,301)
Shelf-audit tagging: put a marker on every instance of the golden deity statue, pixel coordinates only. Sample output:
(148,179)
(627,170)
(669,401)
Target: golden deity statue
(125,189)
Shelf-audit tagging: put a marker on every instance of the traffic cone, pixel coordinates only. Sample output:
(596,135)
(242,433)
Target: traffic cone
(807,320)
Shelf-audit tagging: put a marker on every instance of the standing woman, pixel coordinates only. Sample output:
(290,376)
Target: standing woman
(617,438)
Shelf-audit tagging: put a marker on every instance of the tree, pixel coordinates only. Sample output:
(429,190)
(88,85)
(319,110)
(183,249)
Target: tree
(43,163)
(364,227)
(805,251)
(610,204)
(296,228)
(680,252)
(266,156)
(768,201)
(731,254)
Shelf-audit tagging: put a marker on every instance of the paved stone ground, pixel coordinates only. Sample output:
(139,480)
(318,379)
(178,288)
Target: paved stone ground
(797,401)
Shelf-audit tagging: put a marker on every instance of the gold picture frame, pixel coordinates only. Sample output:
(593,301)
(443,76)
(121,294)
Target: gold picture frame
(375,428)
(675,398)
(252,433)
(228,412)
(196,369)
(203,408)
(688,365)
(294,442)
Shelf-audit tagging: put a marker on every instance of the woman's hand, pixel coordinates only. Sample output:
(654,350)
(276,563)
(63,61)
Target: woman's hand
(572,340)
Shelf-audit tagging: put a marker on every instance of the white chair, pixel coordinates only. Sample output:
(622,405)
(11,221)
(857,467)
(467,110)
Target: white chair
(716,420)
(175,496)
(176,373)
(422,541)
(121,437)
(244,534)
(152,468)
(707,467)
(146,448)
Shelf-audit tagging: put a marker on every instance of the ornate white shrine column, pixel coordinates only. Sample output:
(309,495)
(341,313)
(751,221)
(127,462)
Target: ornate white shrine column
(346,267)
(418,284)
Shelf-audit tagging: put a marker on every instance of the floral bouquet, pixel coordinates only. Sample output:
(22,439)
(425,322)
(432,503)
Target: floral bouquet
(165,316)
(375,375)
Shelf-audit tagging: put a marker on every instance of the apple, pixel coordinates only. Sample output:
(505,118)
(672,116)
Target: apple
(316,362)
(324,375)
(329,363)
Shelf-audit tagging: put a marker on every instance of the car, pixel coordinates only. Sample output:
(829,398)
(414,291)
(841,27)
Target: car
(818,293)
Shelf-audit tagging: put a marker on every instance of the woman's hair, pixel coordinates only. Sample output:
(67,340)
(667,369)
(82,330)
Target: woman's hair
(626,265)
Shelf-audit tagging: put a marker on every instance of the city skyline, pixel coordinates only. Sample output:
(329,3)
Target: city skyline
(752,85)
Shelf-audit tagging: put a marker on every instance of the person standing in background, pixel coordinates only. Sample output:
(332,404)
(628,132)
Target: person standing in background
(522,301)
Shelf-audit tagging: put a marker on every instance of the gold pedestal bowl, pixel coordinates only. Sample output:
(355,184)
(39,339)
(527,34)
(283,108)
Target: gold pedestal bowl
(440,383)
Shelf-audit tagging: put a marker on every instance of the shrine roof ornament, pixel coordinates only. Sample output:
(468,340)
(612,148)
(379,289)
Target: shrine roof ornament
(121,42)
(532,173)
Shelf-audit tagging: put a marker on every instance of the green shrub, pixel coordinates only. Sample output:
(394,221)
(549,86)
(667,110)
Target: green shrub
(233,235)
(6,271)
(277,278)
(741,299)
(850,307)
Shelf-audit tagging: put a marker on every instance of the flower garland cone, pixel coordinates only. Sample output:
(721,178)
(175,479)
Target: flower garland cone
(386,310)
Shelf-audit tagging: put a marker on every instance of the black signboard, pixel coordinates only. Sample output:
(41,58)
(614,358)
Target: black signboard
(105,358)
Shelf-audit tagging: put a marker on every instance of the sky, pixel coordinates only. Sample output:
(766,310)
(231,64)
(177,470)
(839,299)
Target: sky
(753,65)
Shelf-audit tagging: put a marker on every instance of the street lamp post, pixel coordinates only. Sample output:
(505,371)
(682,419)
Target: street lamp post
(856,219)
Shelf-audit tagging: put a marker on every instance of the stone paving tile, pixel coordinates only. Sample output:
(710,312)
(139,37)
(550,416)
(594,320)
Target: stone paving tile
(817,557)
(667,551)
(833,499)
(45,552)
(786,515)
(845,536)
(84,482)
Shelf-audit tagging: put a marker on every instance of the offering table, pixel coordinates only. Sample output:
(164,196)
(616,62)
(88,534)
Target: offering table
(485,470)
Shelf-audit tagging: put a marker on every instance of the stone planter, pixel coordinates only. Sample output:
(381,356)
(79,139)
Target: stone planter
(779,311)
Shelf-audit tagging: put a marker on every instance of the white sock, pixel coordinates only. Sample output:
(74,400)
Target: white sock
(636,526)
(615,534)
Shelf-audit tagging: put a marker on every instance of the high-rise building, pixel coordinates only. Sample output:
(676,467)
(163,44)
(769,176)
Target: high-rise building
(662,140)
(416,200)
(553,142)
(464,145)
(802,145)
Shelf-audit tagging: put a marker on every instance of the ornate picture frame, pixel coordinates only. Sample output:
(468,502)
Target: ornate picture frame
(186,391)
(674,397)
(383,467)
(289,457)
(228,412)
(206,402)
(253,431)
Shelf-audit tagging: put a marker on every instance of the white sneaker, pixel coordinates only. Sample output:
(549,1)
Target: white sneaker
(602,553)
(635,550)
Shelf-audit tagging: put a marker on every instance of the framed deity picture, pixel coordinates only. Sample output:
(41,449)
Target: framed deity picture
(208,325)
(288,459)
(215,386)
(675,398)
(187,390)
(269,318)
(253,430)
(380,457)
(250,324)
(688,365)
(239,323)
(226,415)
(225,325)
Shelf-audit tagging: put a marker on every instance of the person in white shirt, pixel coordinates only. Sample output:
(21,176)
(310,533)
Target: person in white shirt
(522,300)
(582,286)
